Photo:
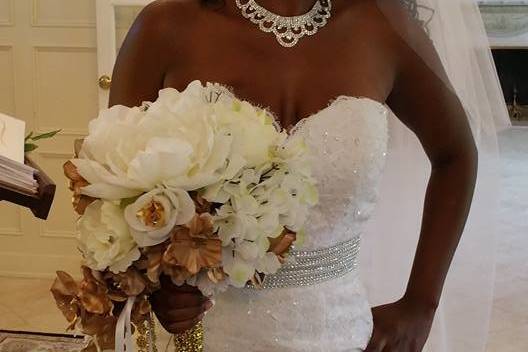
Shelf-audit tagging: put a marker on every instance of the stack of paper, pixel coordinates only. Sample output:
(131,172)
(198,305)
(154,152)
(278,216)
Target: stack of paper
(14,174)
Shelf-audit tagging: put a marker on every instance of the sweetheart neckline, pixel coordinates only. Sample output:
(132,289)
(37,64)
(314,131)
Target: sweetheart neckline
(332,102)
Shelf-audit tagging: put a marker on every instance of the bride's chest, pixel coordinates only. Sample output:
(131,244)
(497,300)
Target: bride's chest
(291,87)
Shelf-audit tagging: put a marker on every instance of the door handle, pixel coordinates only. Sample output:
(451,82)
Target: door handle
(105,82)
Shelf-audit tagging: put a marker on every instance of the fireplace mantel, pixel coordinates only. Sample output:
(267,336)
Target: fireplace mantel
(506,22)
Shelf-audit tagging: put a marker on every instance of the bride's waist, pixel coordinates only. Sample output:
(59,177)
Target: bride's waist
(312,267)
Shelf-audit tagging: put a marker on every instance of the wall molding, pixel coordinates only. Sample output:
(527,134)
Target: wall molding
(43,230)
(11,15)
(11,231)
(36,22)
(9,49)
(37,79)
(14,231)
(39,266)
(72,132)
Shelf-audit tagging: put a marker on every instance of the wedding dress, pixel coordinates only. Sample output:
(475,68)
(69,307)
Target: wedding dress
(348,143)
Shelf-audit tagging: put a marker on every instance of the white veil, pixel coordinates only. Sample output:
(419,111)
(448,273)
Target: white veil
(461,325)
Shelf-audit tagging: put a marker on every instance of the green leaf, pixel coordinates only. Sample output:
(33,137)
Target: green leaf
(29,147)
(45,135)
(29,136)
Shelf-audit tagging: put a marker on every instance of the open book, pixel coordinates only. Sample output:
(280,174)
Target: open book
(14,174)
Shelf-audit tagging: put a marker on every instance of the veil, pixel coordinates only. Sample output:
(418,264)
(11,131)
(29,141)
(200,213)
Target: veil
(462,320)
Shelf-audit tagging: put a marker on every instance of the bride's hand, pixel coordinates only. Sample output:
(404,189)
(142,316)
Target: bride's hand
(179,308)
(402,326)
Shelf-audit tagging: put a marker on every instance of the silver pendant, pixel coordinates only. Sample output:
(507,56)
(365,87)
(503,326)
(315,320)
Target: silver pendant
(288,30)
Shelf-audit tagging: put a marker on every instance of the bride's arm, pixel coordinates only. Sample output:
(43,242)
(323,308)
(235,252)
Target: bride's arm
(141,64)
(423,100)
(138,76)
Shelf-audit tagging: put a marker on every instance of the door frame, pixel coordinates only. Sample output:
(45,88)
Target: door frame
(106,39)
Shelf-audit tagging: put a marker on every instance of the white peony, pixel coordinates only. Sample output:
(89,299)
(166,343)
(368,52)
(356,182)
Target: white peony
(104,238)
(184,140)
(154,214)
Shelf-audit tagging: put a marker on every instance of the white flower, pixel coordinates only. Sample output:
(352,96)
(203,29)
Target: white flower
(253,130)
(154,214)
(268,264)
(104,238)
(206,140)
(239,270)
(176,142)
(231,225)
(206,286)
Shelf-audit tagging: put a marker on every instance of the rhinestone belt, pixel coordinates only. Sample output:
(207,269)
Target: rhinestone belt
(306,268)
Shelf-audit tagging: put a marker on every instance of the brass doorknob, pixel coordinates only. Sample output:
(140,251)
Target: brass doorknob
(105,82)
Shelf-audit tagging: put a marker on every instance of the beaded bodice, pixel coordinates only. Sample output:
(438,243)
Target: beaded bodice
(348,144)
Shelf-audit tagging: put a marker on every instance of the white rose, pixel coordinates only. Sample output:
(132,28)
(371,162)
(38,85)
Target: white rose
(104,238)
(154,214)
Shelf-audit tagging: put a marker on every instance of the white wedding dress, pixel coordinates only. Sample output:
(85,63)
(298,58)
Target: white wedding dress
(348,141)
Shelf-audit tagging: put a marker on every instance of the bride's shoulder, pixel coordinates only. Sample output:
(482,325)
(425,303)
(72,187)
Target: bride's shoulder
(164,21)
(167,16)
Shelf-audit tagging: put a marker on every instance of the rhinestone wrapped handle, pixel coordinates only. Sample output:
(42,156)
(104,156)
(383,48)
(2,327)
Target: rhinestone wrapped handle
(191,340)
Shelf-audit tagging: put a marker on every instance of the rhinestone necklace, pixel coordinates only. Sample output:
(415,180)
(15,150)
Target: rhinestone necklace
(288,30)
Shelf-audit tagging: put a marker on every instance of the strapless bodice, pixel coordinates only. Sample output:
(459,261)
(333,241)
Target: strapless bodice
(348,145)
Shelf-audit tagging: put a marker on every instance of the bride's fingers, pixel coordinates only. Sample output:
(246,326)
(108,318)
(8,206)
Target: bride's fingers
(166,300)
(182,326)
(186,313)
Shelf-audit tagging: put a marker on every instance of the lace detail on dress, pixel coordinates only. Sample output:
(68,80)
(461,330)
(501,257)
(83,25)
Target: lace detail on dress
(348,142)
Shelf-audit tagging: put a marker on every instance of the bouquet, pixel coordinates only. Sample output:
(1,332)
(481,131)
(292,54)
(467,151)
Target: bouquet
(199,186)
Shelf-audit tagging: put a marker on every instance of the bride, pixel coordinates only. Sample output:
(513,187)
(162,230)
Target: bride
(337,82)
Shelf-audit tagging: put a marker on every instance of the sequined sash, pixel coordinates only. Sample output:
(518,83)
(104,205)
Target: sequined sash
(306,268)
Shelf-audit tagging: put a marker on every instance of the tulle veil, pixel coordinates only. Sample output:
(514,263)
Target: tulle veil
(457,32)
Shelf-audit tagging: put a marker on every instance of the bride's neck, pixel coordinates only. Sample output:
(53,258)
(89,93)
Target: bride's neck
(287,7)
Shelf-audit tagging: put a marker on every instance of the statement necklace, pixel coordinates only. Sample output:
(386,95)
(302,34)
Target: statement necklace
(288,30)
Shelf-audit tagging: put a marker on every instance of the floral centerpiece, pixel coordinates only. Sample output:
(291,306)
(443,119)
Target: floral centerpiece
(198,185)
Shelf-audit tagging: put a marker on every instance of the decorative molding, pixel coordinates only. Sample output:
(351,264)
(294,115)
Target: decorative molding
(39,266)
(56,49)
(56,233)
(11,231)
(37,22)
(11,15)
(9,50)
(55,155)
(72,132)
(505,21)
(43,231)
(502,2)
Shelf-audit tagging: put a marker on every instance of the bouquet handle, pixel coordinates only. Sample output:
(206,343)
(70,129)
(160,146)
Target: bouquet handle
(191,340)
